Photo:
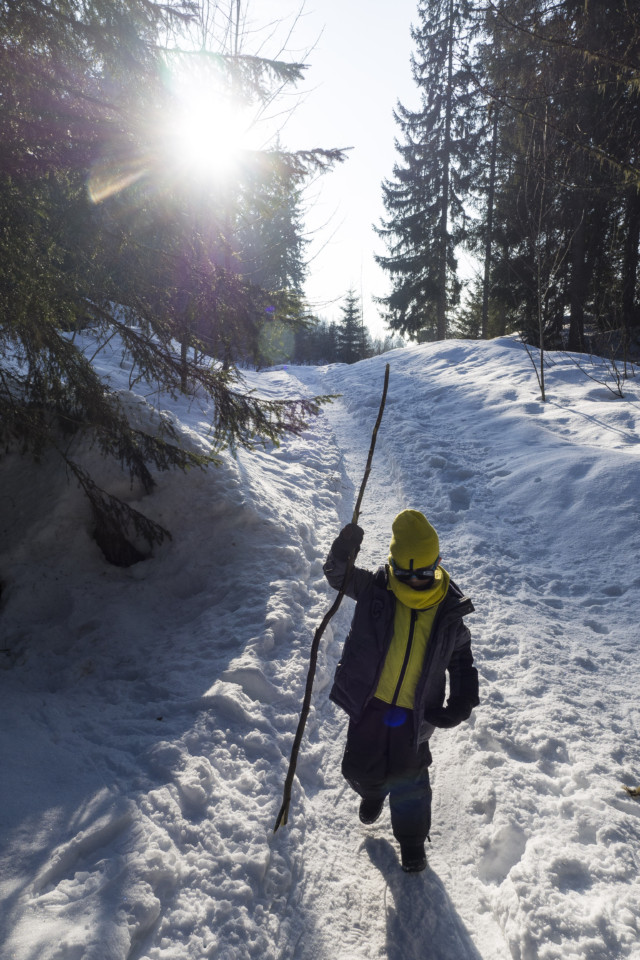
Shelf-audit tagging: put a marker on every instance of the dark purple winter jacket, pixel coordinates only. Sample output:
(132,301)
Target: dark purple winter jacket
(367,643)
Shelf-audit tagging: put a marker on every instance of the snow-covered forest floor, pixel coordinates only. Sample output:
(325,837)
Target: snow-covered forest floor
(147,714)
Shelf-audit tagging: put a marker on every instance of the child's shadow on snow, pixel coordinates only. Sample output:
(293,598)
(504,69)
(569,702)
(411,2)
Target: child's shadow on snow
(422,922)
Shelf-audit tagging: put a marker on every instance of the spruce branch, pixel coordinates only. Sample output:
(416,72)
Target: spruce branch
(114,519)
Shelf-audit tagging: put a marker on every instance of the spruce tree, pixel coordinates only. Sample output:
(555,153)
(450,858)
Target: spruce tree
(350,332)
(100,233)
(563,77)
(425,198)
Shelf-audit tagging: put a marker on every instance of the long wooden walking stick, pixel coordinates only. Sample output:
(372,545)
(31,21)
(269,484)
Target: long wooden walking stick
(313,656)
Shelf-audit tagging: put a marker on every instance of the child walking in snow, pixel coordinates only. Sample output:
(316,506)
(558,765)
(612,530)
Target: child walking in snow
(407,631)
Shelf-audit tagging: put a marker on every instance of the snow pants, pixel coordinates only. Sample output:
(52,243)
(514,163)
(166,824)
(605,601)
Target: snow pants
(381,760)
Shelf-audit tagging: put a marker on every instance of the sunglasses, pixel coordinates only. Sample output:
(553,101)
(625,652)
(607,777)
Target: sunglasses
(420,573)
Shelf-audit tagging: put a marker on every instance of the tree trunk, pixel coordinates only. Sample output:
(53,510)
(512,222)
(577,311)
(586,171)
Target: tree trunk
(578,285)
(441,316)
(484,330)
(630,317)
(184,363)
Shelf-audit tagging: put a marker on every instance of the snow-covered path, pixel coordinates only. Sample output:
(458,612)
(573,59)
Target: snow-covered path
(528,815)
(375,910)
(147,714)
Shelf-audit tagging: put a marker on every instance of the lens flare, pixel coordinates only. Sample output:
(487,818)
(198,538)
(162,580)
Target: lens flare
(395,716)
(111,176)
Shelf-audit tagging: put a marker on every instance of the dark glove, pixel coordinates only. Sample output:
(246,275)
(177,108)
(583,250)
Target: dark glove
(456,710)
(349,538)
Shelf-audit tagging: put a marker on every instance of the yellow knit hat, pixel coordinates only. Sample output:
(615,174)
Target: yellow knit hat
(414,542)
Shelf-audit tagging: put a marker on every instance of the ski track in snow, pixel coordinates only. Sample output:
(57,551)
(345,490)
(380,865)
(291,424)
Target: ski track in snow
(148,713)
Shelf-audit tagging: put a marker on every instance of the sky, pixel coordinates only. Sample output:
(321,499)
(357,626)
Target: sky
(359,66)
(147,713)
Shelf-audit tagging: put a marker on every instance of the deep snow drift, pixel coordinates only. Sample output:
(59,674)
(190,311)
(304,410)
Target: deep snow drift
(147,714)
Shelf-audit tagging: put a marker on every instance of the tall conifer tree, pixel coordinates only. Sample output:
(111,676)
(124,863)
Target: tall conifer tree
(100,230)
(425,198)
(563,76)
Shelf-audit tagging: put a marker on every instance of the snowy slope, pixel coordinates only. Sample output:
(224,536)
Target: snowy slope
(147,714)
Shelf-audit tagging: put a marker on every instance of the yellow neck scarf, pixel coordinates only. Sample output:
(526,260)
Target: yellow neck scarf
(420,599)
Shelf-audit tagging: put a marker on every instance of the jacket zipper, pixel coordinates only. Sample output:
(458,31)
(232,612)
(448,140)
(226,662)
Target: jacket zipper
(441,618)
(407,654)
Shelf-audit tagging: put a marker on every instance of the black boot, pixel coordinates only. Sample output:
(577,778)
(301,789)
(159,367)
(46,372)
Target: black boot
(370,809)
(414,859)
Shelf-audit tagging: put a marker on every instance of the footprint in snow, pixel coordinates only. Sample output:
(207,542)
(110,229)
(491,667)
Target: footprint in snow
(614,591)
(586,664)
(195,783)
(553,602)
(485,806)
(459,498)
(503,851)
(567,874)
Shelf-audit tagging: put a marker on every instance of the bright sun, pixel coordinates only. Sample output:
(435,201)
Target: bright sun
(204,137)
(208,133)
